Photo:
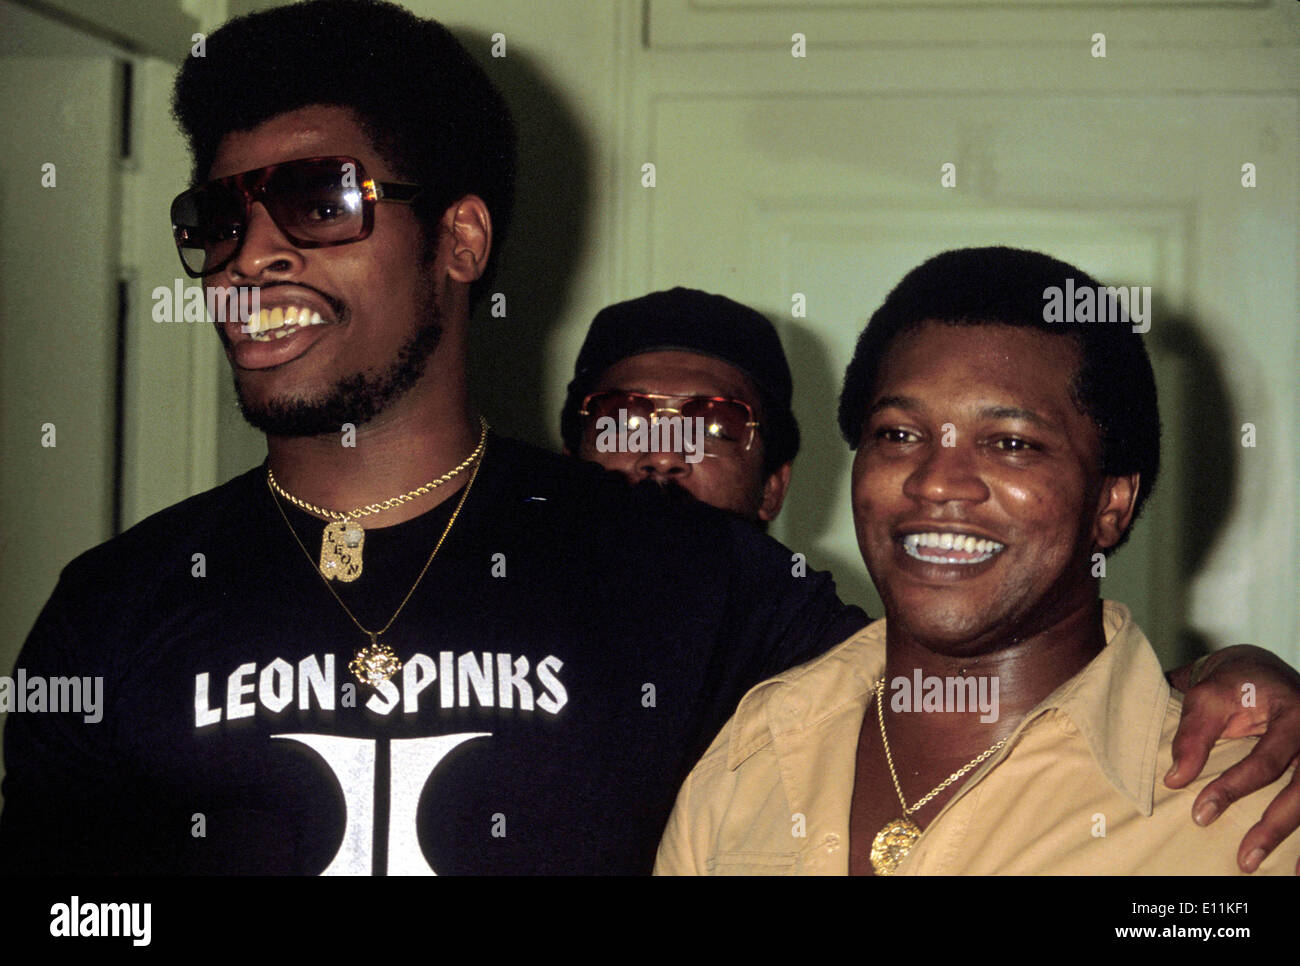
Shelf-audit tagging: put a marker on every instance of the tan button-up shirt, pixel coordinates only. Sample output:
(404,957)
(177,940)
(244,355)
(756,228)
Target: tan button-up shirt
(1076,790)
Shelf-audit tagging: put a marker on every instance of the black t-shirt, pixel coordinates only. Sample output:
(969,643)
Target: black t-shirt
(570,653)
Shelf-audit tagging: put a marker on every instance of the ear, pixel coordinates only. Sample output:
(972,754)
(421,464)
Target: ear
(469,225)
(774,493)
(1114,509)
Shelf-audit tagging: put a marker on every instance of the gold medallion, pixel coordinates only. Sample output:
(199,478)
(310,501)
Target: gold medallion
(891,845)
(340,555)
(375,663)
(340,550)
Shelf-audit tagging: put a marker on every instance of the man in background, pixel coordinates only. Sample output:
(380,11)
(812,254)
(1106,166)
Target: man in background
(698,356)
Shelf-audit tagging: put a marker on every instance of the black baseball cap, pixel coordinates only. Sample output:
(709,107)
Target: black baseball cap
(692,321)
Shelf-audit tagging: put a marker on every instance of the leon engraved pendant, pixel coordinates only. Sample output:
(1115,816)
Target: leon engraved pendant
(891,845)
(340,550)
(375,663)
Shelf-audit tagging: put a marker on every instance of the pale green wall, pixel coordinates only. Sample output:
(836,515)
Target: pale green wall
(58,313)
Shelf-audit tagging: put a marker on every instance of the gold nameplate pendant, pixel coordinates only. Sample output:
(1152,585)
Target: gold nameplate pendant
(891,845)
(340,550)
(375,663)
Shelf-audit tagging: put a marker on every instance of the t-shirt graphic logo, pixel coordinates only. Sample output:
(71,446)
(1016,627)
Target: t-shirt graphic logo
(352,760)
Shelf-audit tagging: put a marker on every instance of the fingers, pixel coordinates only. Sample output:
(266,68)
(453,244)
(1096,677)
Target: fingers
(1280,819)
(1201,724)
(1269,759)
(1266,762)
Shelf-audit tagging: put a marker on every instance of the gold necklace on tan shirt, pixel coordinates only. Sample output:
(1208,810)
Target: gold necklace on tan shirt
(895,840)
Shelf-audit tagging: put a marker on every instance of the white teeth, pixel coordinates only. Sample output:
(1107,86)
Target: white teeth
(915,543)
(277,323)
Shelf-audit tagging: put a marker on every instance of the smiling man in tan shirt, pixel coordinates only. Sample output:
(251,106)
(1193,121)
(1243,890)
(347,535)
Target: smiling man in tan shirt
(1002,719)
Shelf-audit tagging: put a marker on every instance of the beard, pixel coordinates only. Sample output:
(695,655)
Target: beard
(355,399)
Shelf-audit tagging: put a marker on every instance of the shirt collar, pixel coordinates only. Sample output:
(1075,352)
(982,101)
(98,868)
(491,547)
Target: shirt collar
(1117,703)
(801,697)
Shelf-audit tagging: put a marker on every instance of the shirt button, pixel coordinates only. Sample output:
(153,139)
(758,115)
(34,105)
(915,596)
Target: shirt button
(832,843)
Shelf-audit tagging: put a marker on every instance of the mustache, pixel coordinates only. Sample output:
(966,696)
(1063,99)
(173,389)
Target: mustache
(336,305)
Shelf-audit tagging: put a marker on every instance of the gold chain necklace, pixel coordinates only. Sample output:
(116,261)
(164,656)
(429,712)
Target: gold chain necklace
(344,538)
(376,663)
(895,840)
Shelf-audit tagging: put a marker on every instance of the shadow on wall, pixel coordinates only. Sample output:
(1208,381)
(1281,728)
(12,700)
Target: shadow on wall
(822,467)
(507,373)
(1208,430)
